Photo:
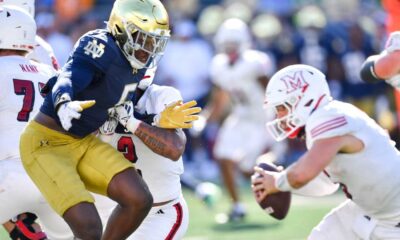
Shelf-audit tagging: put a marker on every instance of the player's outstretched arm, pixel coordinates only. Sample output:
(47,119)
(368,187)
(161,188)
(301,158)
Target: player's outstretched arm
(386,65)
(309,166)
(169,143)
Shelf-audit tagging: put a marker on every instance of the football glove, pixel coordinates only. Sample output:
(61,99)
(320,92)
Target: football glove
(109,126)
(124,114)
(177,115)
(71,110)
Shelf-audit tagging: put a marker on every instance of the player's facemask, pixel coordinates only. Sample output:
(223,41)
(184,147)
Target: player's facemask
(143,49)
(287,126)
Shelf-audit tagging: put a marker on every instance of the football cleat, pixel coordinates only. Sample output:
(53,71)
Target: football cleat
(237,214)
(209,193)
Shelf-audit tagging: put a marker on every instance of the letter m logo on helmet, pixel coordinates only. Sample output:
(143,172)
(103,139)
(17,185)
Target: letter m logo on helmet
(294,82)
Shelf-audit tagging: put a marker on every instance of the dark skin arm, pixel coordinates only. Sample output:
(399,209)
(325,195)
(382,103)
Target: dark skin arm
(169,143)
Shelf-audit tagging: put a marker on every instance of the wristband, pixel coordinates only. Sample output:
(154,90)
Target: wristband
(282,182)
(367,72)
(132,124)
(60,100)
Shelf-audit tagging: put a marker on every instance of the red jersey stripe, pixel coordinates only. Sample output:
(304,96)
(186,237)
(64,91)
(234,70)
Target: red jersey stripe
(178,222)
(327,128)
(327,123)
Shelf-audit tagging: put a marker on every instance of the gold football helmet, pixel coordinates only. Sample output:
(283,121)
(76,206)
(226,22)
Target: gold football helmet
(141,30)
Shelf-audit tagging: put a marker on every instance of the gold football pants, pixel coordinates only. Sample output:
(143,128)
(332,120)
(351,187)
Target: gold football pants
(65,168)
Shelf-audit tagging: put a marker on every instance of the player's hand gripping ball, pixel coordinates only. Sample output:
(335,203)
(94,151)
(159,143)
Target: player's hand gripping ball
(276,204)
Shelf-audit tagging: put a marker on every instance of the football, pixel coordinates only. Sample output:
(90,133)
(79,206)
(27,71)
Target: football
(277,204)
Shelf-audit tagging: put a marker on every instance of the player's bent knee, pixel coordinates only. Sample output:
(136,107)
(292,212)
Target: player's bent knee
(128,189)
(143,200)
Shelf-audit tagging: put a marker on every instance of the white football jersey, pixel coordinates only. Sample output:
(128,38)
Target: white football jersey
(43,53)
(20,99)
(161,174)
(371,177)
(241,81)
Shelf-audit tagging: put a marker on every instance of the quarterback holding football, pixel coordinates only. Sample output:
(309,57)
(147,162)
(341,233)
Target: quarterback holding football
(341,140)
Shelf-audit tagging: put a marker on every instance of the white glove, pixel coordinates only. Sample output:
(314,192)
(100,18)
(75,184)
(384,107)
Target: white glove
(393,42)
(108,128)
(124,114)
(71,110)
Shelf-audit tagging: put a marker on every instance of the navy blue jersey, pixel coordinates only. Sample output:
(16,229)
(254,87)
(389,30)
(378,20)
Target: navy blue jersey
(96,70)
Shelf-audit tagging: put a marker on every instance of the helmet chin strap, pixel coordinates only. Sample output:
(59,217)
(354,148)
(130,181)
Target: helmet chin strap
(298,133)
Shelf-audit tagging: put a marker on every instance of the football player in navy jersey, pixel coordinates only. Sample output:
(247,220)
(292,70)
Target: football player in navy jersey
(58,150)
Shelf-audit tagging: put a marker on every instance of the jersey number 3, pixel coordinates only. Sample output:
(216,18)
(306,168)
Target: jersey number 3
(126,146)
(26,88)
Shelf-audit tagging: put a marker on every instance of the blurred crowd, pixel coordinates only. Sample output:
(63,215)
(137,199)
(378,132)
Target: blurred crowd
(334,36)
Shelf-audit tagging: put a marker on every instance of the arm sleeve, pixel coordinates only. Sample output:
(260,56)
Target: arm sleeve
(75,77)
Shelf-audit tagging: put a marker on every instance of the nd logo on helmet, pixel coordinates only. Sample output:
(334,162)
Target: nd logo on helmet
(94,48)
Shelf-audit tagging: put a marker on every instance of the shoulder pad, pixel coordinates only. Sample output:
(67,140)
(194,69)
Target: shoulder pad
(96,47)
(164,95)
(157,97)
(326,125)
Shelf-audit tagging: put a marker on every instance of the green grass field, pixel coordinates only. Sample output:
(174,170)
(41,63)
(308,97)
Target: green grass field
(303,215)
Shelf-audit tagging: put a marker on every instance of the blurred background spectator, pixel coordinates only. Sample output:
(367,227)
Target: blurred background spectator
(334,36)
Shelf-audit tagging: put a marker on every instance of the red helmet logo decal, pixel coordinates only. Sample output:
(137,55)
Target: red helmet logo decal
(294,82)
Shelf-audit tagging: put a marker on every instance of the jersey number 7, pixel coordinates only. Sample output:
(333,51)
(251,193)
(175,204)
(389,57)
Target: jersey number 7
(26,88)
